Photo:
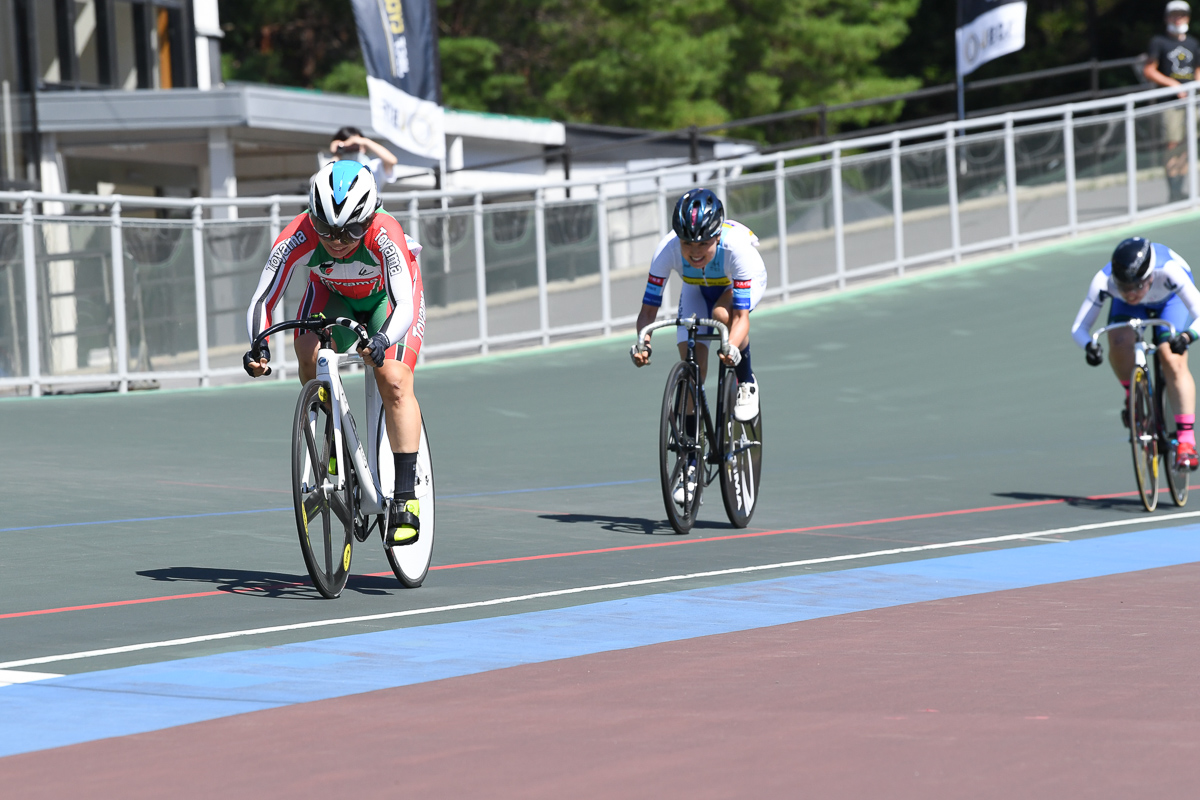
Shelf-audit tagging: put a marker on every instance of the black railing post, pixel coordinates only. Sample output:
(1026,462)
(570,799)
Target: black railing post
(566,159)
(1095,78)
(823,122)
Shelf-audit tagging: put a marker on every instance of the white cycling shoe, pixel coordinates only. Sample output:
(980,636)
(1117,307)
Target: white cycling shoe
(678,495)
(746,407)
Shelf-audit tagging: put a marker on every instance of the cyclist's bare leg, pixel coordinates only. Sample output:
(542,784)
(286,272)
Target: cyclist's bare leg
(306,345)
(1180,386)
(1120,352)
(401,412)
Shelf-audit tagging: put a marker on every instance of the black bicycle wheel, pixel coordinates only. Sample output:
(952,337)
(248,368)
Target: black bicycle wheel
(681,448)
(1143,437)
(741,461)
(1178,480)
(410,562)
(325,516)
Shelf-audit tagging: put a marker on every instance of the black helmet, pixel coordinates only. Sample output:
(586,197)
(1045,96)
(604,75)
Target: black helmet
(1132,261)
(698,216)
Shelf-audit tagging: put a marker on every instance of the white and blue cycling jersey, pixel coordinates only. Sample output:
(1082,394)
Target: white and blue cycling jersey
(736,263)
(1172,296)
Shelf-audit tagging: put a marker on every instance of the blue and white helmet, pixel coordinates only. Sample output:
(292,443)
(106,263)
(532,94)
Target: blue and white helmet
(342,199)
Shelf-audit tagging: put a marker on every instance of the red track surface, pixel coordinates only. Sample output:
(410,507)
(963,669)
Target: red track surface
(1083,689)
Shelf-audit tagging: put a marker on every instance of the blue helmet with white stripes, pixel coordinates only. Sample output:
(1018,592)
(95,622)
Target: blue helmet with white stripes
(342,199)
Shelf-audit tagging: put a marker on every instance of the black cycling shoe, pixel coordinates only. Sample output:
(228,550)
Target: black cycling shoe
(403,523)
(1125,416)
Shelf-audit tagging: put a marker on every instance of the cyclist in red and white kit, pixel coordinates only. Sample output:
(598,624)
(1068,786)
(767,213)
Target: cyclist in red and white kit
(360,265)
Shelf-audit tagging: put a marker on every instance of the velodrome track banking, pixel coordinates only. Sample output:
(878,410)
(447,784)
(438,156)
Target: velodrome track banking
(927,440)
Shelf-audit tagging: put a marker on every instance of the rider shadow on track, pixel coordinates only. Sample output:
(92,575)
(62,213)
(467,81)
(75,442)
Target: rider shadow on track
(636,525)
(1130,504)
(267,584)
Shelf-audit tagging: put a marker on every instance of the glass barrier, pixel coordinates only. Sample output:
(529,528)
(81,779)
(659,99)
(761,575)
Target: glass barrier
(925,193)
(634,230)
(14,349)
(573,264)
(867,210)
(447,262)
(510,255)
(982,189)
(1100,179)
(234,256)
(1162,155)
(76,327)
(160,296)
(751,201)
(808,192)
(1041,179)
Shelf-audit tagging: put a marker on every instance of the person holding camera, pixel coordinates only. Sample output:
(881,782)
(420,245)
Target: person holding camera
(1171,61)
(350,144)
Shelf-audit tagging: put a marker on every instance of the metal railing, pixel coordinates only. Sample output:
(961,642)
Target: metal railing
(114,291)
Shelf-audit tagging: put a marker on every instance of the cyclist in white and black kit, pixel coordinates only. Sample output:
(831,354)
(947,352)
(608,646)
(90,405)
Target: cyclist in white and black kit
(1148,280)
(1171,60)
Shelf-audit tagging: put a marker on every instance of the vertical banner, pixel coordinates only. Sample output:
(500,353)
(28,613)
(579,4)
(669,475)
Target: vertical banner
(987,30)
(400,49)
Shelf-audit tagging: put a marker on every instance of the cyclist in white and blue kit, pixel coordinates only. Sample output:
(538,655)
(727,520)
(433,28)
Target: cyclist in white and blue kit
(1148,280)
(724,277)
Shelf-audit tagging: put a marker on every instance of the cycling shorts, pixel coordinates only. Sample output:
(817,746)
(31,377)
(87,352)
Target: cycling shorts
(698,299)
(1173,311)
(372,311)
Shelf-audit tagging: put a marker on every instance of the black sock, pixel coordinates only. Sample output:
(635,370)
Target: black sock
(406,476)
(744,375)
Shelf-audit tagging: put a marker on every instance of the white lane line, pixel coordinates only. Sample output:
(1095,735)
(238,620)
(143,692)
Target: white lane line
(212,637)
(10,676)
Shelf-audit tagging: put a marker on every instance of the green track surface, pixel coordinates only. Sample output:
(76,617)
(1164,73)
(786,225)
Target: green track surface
(954,389)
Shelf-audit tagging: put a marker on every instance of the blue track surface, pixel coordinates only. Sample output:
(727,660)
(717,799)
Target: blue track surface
(85,707)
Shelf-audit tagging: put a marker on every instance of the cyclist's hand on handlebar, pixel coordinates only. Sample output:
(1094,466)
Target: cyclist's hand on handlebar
(640,357)
(1095,354)
(255,361)
(375,350)
(1180,342)
(730,356)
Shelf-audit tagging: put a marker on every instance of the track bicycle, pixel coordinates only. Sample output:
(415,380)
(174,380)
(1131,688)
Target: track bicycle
(1148,409)
(339,488)
(692,451)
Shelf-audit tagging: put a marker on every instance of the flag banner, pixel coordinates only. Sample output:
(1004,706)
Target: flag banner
(400,49)
(990,29)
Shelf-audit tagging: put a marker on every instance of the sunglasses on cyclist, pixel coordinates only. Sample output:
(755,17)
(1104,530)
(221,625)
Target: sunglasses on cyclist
(1131,288)
(350,233)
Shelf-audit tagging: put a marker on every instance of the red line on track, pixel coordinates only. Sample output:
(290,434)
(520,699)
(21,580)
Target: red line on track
(544,556)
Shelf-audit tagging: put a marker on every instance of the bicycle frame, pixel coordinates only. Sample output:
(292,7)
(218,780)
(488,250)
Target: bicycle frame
(715,434)
(1141,348)
(345,435)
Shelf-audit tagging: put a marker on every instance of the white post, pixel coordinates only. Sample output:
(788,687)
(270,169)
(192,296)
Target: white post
(119,321)
(1010,177)
(897,205)
(785,279)
(414,219)
(10,163)
(602,244)
(1193,189)
(32,327)
(480,271)
(721,185)
(839,228)
(952,193)
(1069,157)
(222,174)
(539,233)
(201,290)
(1131,159)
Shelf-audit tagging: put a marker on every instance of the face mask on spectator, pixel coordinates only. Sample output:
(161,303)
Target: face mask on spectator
(1177,28)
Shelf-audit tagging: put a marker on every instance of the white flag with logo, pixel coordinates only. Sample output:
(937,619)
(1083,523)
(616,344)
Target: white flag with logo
(990,29)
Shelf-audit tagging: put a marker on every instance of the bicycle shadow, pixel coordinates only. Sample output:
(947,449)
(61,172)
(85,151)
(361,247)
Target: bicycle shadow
(1130,504)
(635,525)
(278,585)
